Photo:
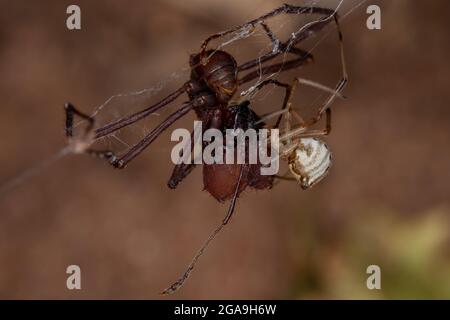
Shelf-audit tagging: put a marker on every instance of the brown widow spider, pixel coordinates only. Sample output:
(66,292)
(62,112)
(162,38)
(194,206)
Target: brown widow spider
(213,82)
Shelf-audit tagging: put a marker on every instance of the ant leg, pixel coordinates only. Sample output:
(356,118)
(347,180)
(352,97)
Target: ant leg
(81,145)
(342,82)
(122,122)
(150,137)
(181,170)
(116,125)
(304,82)
(296,37)
(70,112)
(103,154)
(278,46)
(272,69)
(287,95)
(126,121)
(177,284)
(295,113)
(134,151)
(285,177)
(254,89)
(288,108)
(335,93)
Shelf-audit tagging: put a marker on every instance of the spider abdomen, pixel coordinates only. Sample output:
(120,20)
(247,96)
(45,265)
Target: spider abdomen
(310,162)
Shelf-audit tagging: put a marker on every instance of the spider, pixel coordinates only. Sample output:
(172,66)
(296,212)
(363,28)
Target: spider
(213,82)
(308,156)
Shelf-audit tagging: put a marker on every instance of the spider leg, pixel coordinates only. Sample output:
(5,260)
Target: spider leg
(280,113)
(302,131)
(264,83)
(177,284)
(341,84)
(297,133)
(334,93)
(103,154)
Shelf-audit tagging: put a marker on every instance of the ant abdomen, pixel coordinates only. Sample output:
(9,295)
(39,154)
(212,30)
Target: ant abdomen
(219,72)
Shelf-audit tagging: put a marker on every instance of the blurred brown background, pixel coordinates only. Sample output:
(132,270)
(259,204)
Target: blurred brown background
(385,202)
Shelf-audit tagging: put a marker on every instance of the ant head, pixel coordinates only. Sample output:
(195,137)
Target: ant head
(244,105)
(194,59)
(242,108)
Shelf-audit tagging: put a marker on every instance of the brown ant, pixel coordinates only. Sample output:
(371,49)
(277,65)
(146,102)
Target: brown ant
(307,154)
(213,82)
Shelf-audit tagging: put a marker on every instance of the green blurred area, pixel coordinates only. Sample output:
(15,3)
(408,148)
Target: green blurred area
(413,257)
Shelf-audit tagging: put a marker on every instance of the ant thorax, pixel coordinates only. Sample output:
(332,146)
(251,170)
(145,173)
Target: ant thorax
(310,161)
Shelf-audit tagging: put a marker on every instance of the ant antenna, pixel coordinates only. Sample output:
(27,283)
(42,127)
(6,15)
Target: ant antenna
(179,283)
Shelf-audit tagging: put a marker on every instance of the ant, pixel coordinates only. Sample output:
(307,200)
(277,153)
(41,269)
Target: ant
(213,82)
(308,157)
